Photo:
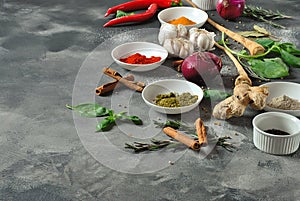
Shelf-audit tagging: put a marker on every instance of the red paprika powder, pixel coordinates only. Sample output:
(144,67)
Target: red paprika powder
(138,58)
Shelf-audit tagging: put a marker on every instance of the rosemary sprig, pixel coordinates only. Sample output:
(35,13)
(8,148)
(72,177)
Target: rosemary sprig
(156,145)
(223,143)
(177,125)
(264,15)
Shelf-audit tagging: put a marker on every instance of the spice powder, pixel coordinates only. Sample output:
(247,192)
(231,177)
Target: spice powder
(182,20)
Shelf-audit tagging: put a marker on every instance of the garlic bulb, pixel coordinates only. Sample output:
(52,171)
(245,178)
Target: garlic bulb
(203,40)
(169,31)
(179,47)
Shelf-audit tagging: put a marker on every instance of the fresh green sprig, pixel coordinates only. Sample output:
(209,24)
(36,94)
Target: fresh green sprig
(155,145)
(109,122)
(265,65)
(264,15)
(95,110)
(190,130)
(244,54)
(222,141)
(89,110)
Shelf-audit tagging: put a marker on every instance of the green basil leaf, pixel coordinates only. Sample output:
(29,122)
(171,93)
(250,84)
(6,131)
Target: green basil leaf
(269,68)
(106,124)
(89,109)
(290,48)
(266,43)
(290,59)
(136,120)
(214,94)
(173,124)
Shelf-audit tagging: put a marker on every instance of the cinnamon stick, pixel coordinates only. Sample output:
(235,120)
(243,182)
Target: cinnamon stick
(190,142)
(253,47)
(201,131)
(114,74)
(110,86)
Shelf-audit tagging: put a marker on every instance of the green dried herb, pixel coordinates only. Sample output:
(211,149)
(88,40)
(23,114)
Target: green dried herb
(156,145)
(264,15)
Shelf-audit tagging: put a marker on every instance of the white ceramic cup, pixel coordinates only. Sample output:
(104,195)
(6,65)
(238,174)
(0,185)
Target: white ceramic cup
(276,144)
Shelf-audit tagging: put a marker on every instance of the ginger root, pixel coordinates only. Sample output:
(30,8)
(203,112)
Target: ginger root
(244,94)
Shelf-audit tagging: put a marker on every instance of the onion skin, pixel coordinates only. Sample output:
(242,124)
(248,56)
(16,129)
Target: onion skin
(201,66)
(230,9)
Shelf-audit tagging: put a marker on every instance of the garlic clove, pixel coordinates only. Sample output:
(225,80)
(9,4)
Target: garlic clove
(166,31)
(182,31)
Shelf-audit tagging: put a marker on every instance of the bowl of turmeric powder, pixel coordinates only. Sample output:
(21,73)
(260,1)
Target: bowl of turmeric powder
(188,16)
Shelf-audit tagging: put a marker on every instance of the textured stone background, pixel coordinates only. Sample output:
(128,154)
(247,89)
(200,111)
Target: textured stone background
(43,44)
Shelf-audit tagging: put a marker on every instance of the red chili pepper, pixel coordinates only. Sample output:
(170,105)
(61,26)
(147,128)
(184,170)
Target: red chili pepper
(164,3)
(140,17)
(128,6)
(142,4)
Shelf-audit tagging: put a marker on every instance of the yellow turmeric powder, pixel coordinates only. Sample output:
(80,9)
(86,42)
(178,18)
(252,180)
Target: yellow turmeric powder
(182,20)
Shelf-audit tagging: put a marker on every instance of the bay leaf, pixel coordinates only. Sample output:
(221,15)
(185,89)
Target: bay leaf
(261,30)
(251,34)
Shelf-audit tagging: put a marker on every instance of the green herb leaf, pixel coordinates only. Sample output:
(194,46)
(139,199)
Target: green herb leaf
(290,48)
(177,125)
(290,59)
(136,120)
(89,110)
(215,94)
(106,124)
(266,43)
(269,68)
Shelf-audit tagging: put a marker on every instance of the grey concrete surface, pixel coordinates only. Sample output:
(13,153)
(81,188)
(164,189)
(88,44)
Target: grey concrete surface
(49,58)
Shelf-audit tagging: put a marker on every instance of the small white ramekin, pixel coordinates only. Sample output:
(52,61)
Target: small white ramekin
(206,4)
(276,144)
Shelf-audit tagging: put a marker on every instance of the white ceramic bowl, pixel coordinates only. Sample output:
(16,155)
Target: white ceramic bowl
(206,4)
(276,144)
(195,14)
(144,48)
(171,85)
(277,89)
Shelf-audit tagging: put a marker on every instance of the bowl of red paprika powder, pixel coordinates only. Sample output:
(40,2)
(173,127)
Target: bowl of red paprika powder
(139,56)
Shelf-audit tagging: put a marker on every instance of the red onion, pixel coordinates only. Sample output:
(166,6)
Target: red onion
(201,66)
(230,9)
